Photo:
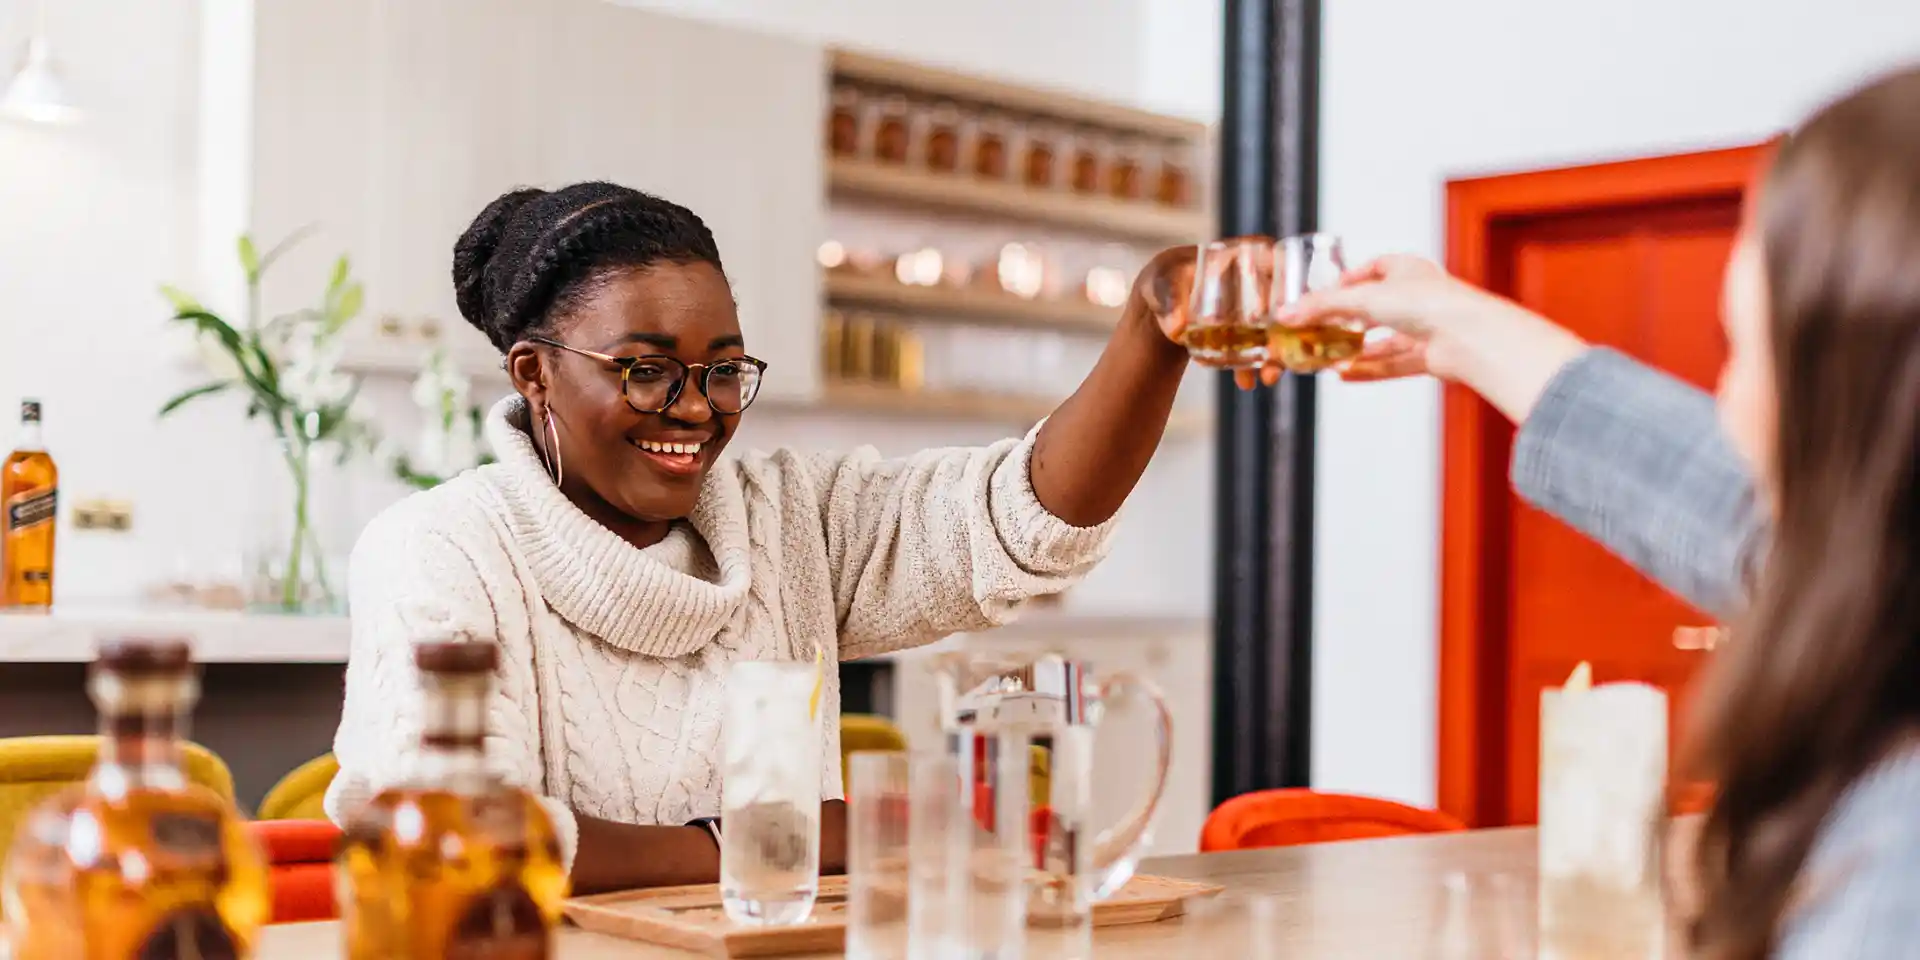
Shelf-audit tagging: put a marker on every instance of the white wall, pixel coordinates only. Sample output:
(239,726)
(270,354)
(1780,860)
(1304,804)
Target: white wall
(1085,46)
(1414,93)
(92,217)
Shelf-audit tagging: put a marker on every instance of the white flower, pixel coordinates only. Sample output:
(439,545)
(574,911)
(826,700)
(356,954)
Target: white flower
(439,391)
(311,379)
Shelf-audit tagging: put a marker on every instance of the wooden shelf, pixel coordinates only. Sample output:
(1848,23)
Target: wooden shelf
(881,71)
(968,303)
(1138,221)
(841,396)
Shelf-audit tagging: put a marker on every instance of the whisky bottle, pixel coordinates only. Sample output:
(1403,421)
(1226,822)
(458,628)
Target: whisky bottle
(453,862)
(29,491)
(136,862)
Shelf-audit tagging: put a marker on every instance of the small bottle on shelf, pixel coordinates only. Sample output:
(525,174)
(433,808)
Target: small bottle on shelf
(1089,161)
(844,122)
(136,862)
(453,863)
(991,147)
(833,349)
(941,153)
(1040,145)
(29,495)
(893,130)
(1173,187)
(1125,177)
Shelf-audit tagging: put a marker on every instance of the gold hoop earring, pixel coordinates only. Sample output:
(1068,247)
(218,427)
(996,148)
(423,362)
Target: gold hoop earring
(555,468)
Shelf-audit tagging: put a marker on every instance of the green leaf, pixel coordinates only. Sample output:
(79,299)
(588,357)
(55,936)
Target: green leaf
(181,300)
(203,390)
(346,308)
(292,240)
(332,417)
(205,322)
(249,258)
(339,278)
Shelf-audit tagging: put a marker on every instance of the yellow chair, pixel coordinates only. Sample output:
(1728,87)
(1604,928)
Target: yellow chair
(860,731)
(864,732)
(34,768)
(298,795)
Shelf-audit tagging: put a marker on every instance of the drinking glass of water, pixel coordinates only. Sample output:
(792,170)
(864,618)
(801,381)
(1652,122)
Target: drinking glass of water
(770,794)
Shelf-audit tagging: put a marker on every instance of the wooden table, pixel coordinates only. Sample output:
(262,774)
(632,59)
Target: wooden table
(1361,899)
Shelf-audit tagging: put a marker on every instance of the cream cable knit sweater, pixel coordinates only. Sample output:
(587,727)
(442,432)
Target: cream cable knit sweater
(608,699)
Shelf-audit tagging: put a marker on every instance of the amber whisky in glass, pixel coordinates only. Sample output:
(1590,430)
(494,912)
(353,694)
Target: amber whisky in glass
(453,863)
(29,495)
(136,863)
(1307,263)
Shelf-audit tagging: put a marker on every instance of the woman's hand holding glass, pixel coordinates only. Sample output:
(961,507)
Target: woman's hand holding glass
(1435,324)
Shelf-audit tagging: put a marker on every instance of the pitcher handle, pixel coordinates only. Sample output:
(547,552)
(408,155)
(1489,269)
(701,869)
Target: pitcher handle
(1117,850)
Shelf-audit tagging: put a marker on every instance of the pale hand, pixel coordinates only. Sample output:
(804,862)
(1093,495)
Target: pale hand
(1419,302)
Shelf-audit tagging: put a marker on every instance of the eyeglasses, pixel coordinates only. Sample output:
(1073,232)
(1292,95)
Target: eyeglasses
(652,383)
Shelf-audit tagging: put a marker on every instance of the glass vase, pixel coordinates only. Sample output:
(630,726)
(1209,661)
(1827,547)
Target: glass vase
(293,563)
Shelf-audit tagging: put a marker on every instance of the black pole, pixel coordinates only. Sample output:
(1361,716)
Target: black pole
(1263,524)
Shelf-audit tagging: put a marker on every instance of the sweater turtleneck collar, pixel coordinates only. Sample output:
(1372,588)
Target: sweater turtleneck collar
(629,597)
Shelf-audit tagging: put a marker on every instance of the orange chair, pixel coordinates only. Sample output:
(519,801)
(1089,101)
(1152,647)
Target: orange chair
(300,858)
(1286,818)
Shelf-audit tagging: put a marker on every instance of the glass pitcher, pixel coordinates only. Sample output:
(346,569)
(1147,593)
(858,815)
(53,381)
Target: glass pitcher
(997,709)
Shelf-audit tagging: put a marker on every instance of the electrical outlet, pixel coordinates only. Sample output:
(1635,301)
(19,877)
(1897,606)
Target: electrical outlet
(100,514)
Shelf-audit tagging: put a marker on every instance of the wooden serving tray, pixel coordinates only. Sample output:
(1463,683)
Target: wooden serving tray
(691,918)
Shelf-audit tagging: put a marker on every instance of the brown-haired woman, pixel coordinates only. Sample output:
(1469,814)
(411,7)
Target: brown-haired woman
(1809,723)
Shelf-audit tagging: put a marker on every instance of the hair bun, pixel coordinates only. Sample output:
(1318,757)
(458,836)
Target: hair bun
(474,251)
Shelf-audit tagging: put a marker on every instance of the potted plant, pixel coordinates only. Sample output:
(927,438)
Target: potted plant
(287,368)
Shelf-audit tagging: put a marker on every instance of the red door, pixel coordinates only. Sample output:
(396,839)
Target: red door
(1629,255)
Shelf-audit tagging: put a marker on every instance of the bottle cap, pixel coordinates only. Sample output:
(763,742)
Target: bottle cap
(458,657)
(29,411)
(143,656)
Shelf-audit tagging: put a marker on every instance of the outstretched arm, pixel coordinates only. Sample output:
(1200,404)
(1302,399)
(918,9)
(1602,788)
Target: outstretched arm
(955,539)
(1092,451)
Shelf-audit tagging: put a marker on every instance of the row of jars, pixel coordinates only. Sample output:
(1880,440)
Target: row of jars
(1024,270)
(947,137)
(893,351)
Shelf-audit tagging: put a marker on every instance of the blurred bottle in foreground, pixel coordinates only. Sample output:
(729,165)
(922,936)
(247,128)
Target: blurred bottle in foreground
(453,863)
(136,862)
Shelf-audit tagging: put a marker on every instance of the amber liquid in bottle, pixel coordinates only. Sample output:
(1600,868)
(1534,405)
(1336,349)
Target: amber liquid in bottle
(29,495)
(1086,168)
(892,137)
(454,864)
(136,863)
(843,123)
(990,151)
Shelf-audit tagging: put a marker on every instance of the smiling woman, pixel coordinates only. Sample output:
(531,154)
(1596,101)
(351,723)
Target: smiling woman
(622,565)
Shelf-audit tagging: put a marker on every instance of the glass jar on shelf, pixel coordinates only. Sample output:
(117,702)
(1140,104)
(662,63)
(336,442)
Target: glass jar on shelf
(990,146)
(941,144)
(833,344)
(1041,145)
(1126,174)
(892,119)
(846,120)
(1174,179)
(1089,152)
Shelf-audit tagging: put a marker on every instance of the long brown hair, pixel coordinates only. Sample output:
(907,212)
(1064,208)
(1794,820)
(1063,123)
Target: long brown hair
(1824,678)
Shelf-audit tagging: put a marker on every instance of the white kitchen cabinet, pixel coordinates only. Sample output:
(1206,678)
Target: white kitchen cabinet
(389,124)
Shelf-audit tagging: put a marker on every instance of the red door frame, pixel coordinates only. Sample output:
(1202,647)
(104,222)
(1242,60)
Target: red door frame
(1473,690)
